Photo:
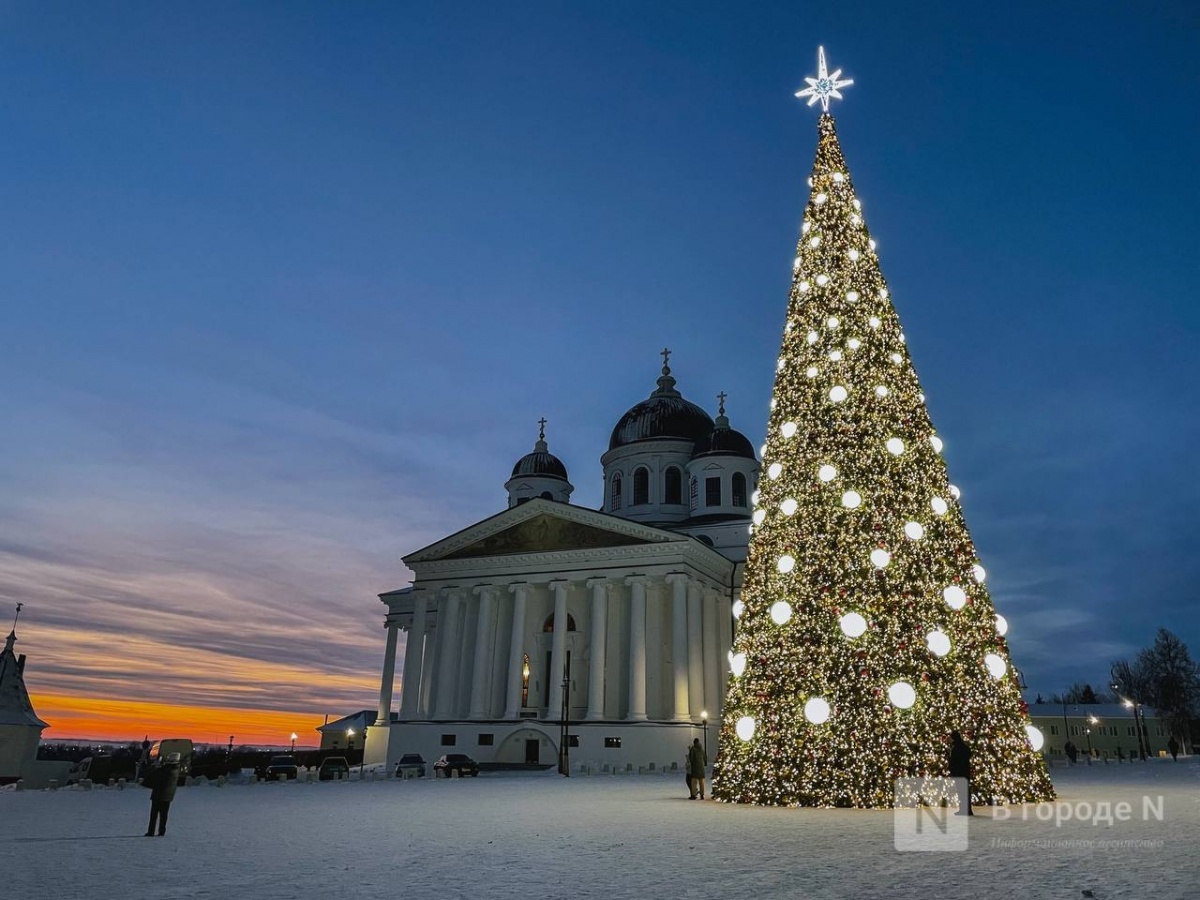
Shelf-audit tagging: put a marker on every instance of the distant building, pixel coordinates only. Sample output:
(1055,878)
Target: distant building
(20,728)
(1108,729)
(348,731)
(622,617)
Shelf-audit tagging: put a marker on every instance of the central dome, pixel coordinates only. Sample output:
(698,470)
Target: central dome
(663,415)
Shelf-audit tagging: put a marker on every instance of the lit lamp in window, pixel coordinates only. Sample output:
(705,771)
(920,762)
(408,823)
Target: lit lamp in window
(525,681)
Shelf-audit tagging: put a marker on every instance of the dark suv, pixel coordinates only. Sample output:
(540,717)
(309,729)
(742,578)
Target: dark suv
(411,762)
(332,768)
(455,762)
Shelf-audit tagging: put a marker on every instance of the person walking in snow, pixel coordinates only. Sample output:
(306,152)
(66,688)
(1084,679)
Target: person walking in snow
(1071,751)
(1173,746)
(960,767)
(162,782)
(697,765)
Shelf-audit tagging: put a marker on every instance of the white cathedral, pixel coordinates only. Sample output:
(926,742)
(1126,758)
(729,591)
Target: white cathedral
(620,618)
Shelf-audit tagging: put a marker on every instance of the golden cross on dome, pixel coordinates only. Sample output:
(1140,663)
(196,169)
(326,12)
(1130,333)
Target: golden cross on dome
(666,355)
(542,432)
(721,399)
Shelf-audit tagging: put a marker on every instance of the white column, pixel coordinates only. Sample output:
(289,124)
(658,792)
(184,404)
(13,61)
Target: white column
(695,650)
(414,659)
(558,648)
(712,655)
(599,589)
(679,646)
(481,689)
(446,707)
(516,652)
(389,674)
(637,648)
(428,665)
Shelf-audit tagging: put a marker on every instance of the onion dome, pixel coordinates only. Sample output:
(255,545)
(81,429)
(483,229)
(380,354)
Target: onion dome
(723,440)
(541,462)
(664,415)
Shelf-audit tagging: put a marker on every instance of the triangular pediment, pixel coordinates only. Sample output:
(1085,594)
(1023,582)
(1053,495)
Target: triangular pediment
(544,534)
(542,526)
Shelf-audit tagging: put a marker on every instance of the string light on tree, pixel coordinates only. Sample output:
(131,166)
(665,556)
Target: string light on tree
(858,649)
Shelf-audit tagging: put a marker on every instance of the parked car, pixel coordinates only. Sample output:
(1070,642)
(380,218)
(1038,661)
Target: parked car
(333,767)
(160,750)
(455,762)
(102,768)
(280,765)
(411,762)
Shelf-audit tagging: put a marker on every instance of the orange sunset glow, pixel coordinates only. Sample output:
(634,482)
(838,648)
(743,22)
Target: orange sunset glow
(129,720)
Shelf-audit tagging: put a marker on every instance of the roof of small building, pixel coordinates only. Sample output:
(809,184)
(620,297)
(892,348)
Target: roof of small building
(15,707)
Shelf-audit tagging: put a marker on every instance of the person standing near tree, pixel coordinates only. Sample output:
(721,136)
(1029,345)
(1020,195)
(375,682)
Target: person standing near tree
(697,766)
(960,767)
(162,782)
(1173,746)
(1071,751)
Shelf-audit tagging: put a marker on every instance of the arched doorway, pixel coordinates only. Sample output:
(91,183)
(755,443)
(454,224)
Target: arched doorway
(530,746)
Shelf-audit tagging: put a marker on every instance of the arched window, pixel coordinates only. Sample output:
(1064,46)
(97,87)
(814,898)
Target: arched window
(548,625)
(739,489)
(641,486)
(614,501)
(525,681)
(673,486)
(546,495)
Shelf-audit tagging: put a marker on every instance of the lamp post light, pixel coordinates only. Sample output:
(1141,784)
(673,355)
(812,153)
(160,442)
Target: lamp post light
(1092,720)
(704,722)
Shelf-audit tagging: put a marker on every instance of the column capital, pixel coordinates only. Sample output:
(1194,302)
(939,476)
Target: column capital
(635,579)
(597,581)
(518,587)
(672,577)
(556,583)
(452,593)
(484,591)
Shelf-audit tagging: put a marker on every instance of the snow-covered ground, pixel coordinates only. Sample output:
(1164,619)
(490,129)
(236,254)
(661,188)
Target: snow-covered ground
(543,836)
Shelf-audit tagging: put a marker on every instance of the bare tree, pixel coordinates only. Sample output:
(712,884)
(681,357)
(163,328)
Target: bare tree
(1172,682)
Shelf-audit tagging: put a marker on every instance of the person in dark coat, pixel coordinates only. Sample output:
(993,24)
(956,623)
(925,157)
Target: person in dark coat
(960,767)
(1071,751)
(697,765)
(162,782)
(1173,746)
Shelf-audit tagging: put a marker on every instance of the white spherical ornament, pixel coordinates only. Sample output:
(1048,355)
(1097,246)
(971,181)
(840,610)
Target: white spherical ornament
(781,612)
(762,451)
(883,293)
(852,296)
(738,608)
(745,727)
(779,364)
(754,498)
(856,220)
(839,177)
(786,564)
(804,287)
(815,242)
(914,530)
(811,372)
(853,254)
(853,343)
(871,244)
(939,506)
(881,391)
(979,572)
(795,264)
(1001,625)
(820,198)
(774,470)
(772,404)
(759,516)
(874,322)
(857,204)
(938,642)
(903,339)
(816,710)
(902,695)
(787,429)
(921,398)
(851,500)
(936,442)
(896,358)
(895,446)
(811,337)
(995,665)
(737,663)
(788,507)
(955,597)
(1036,740)
(853,625)
(805,227)
(880,558)
(832,322)
(955,492)
(827,473)
(835,355)
(837,394)
(822,280)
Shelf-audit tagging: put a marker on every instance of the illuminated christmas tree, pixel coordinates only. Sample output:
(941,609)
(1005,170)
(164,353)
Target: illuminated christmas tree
(866,634)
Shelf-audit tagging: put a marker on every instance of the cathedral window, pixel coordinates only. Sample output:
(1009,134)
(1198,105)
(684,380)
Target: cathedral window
(673,486)
(487,740)
(449,740)
(548,627)
(694,493)
(712,491)
(525,681)
(641,486)
(615,499)
(739,489)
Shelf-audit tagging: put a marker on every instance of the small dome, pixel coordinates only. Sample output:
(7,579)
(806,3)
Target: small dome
(723,440)
(541,462)
(665,414)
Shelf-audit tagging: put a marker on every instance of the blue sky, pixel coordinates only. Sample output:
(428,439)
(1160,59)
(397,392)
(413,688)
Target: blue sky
(284,288)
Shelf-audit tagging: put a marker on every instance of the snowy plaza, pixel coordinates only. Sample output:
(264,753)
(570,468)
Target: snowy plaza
(612,837)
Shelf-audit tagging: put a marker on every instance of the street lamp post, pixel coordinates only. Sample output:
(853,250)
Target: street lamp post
(1092,720)
(704,722)
(293,742)
(1131,703)
(564,735)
